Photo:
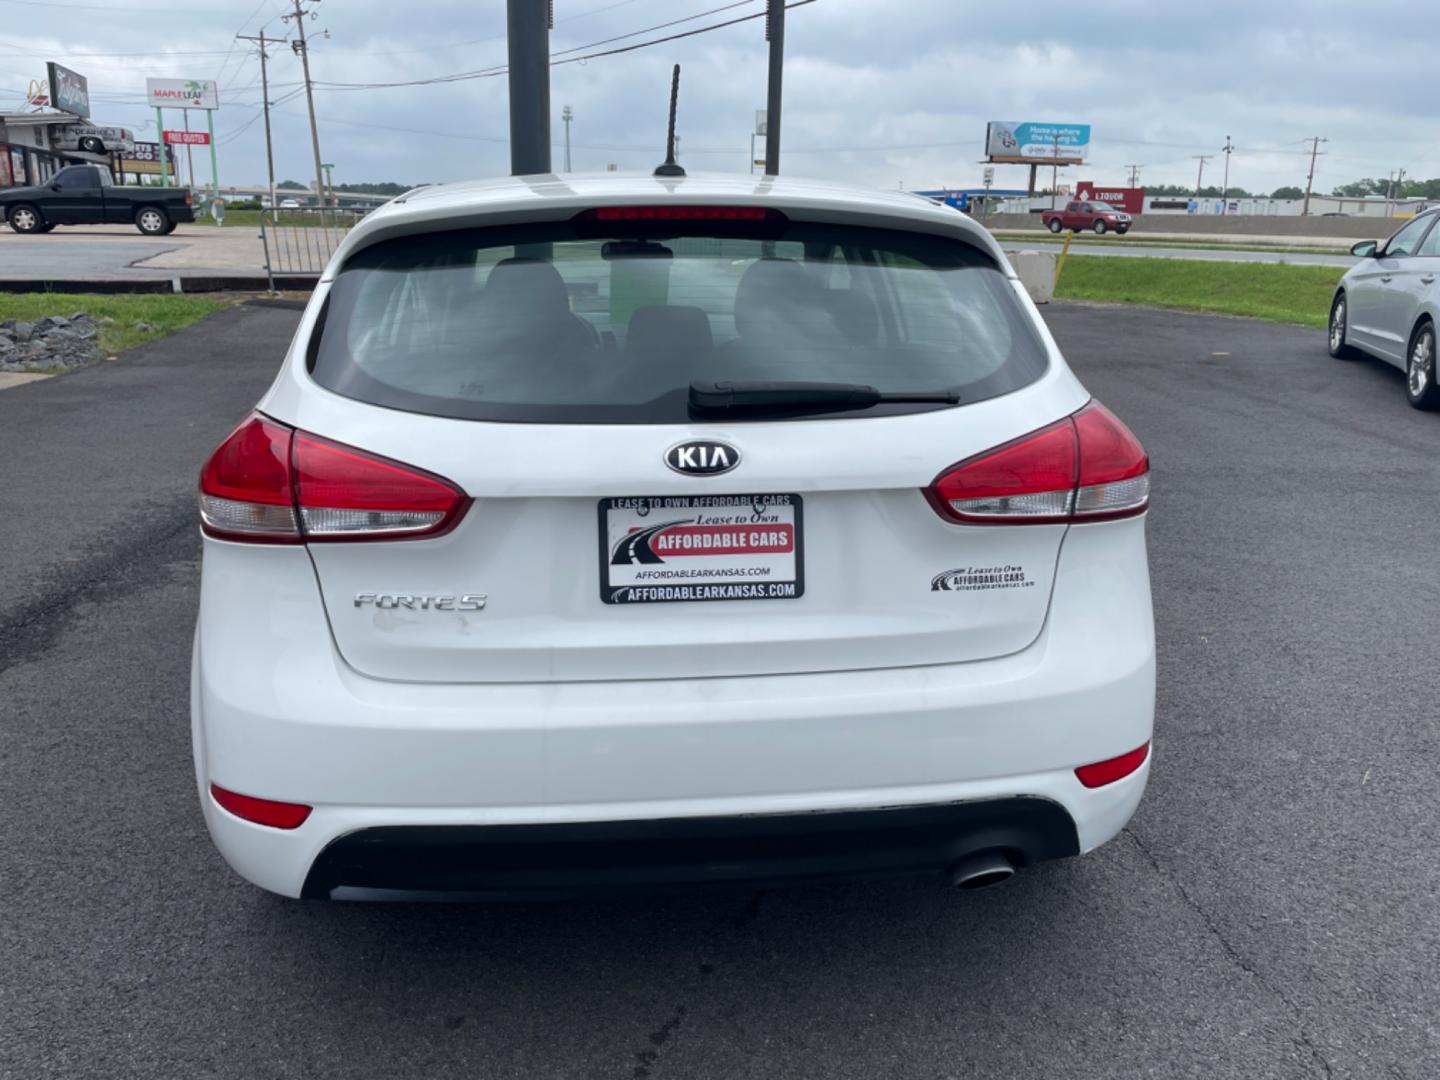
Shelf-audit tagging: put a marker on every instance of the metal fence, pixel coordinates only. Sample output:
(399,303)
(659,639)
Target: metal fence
(301,241)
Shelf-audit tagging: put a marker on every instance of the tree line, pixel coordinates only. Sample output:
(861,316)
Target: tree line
(1410,189)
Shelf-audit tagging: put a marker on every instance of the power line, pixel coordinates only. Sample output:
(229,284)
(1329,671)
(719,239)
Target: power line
(501,69)
(126,10)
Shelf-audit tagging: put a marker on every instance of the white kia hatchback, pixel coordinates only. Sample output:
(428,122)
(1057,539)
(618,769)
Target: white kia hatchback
(611,532)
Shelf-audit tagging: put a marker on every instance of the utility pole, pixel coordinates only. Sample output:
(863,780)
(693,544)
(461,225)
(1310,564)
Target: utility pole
(567,114)
(265,108)
(775,35)
(1134,174)
(1396,188)
(529,23)
(1202,158)
(1315,142)
(302,49)
(1228,148)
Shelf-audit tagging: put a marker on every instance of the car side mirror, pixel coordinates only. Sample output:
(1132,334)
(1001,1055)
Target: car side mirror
(54,187)
(1365,249)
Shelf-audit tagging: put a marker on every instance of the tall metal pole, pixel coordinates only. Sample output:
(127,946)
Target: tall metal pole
(1229,149)
(160,134)
(214,163)
(529,47)
(303,49)
(189,152)
(775,34)
(1055,172)
(1309,180)
(567,114)
(265,108)
(1202,158)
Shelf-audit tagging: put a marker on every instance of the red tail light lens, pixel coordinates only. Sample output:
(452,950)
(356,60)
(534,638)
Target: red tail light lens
(1111,769)
(683,213)
(245,489)
(1087,467)
(269,484)
(1114,469)
(277,815)
(347,494)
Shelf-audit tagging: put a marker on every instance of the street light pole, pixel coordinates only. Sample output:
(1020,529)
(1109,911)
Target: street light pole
(775,34)
(567,114)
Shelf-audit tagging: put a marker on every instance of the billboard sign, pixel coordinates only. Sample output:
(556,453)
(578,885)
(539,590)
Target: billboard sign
(187,138)
(69,92)
(183,93)
(1030,143)
(144,157)
(1130,200)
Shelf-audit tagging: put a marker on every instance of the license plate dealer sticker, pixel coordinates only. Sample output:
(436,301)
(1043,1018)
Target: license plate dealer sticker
(661,548)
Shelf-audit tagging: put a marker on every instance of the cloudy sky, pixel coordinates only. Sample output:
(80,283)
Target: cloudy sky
(878,92)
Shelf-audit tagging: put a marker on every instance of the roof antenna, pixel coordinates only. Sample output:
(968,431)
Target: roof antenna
(669,167)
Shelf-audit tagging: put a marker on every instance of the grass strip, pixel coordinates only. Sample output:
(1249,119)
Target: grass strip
(1290,294)
(1147,241)
(165,313)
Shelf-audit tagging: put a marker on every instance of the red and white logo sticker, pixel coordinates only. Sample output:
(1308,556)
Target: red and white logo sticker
(704,547)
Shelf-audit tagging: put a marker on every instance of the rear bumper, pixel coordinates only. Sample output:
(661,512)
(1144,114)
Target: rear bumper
(549,861)
(276,714)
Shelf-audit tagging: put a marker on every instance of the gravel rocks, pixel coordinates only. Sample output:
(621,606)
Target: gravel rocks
(49,343)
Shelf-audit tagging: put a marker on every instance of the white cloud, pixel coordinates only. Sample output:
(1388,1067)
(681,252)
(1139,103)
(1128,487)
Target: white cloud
(875,92)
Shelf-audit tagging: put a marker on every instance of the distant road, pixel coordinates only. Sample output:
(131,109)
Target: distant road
(120,253)
(1155,251)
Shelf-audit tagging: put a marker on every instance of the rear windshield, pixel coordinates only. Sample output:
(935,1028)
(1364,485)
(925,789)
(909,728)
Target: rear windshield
(549,324)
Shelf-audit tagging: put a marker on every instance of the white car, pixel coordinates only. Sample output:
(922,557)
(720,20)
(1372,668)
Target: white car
(1388,303)
(616,532)
(92,139)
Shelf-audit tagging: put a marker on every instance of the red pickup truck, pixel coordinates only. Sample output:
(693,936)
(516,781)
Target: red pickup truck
(1080,214)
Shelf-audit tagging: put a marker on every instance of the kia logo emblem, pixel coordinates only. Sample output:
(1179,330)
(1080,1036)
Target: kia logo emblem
(701,457)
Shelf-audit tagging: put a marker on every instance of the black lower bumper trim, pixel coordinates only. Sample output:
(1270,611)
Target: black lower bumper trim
(540,861)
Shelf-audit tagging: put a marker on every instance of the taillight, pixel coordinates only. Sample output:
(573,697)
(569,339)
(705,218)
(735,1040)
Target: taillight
(269,484)
(682,213)
(347,494)
(1087,467)
(245,488)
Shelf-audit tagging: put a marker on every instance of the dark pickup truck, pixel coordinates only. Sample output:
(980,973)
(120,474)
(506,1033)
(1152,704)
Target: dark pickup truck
(86,195)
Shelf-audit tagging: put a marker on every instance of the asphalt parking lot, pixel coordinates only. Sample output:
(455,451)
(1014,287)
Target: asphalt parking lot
(1270,912)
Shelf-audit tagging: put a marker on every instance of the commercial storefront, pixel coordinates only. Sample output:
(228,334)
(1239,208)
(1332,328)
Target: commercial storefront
(26,154)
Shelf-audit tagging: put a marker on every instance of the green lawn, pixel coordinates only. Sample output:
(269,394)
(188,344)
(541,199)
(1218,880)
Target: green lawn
(1292,294)
(166,313)
(303,219)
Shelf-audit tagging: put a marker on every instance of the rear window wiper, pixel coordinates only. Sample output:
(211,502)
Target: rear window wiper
(713,397)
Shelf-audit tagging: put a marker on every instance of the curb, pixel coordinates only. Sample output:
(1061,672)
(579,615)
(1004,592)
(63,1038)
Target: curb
(196,283)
